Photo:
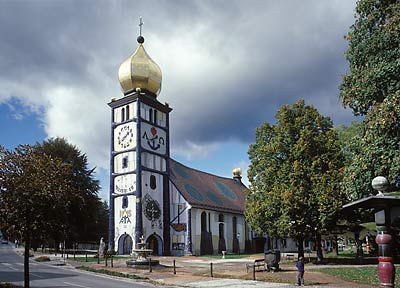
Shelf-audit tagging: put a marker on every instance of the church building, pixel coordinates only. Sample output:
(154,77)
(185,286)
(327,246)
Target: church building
(176,209)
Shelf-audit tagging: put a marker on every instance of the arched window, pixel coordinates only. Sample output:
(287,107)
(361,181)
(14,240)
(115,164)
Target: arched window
(203,222)
(122,114)
(209,222)
(127,112)
(124,202)
(153,182)
(234,228)
(221,230)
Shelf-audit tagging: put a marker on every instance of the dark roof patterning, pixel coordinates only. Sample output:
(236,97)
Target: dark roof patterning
(208,191)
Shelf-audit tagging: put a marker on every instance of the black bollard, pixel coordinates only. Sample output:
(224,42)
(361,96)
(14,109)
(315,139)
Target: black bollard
(106,261)
(98,259)
(86,257)
(112,264)
(74,254)
(150,268)
(174,267)
(254,272)
(211,269)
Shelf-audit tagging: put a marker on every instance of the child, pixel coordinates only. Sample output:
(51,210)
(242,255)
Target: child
(300,272)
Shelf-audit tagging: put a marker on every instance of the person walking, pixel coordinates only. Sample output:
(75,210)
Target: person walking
(300,272)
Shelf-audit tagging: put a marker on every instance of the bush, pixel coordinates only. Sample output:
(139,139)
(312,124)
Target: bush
(42,259)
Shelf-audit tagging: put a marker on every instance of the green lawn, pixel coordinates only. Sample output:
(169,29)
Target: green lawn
(365,275)
(112,273)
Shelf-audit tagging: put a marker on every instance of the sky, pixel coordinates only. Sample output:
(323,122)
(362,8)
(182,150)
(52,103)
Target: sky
(227,67)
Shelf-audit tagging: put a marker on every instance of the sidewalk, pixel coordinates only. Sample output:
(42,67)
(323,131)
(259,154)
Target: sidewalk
(194,271)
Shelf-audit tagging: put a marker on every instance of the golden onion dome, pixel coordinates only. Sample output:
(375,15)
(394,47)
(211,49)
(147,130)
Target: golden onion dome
(140,71)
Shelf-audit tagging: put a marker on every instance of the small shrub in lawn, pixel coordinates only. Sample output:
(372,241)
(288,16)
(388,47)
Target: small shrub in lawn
(8,285)
(42,259)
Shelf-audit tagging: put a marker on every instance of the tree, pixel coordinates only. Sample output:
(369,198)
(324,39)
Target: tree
(372,88)
(88,217)
(295,173)
(35,195)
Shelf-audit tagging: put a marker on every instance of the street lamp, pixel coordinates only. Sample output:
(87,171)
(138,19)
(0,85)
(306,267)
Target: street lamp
(238,236)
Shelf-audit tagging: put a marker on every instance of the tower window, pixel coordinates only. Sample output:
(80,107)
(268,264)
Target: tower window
(125,162)
(151,115)
(122,114)
(221,218)
(127,112)
(124,202)
(155,116)
(153,183)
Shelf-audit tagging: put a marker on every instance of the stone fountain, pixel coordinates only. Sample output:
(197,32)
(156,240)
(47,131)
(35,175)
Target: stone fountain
(141,253)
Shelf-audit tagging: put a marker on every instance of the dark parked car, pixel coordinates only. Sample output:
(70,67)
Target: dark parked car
(4,241)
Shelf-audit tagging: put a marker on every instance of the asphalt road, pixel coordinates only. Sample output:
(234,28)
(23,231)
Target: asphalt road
(47,275)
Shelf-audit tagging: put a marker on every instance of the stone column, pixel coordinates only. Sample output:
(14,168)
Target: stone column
(189,232)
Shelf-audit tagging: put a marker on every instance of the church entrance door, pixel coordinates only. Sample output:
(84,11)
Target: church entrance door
(125,244)
(155,243)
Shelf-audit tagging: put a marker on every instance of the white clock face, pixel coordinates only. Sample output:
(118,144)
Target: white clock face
(125,184)
(124,137)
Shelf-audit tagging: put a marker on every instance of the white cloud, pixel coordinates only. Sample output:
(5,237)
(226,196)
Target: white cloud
(190,150)
(227,65)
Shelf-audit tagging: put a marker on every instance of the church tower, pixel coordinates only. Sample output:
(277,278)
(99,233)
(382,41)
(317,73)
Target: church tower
(139,165)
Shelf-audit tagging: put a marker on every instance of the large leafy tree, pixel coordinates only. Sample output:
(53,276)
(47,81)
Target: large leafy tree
(36,194)
(372,89)
(295,173)
(88,216)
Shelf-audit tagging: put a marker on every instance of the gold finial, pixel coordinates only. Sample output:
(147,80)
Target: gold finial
(237,172)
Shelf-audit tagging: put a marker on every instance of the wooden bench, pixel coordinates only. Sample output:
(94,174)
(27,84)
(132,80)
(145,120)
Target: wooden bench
(289,256)
(256,265)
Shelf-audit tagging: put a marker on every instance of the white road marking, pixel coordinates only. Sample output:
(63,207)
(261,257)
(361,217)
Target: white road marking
(76,285)
(34,274)
(12,268)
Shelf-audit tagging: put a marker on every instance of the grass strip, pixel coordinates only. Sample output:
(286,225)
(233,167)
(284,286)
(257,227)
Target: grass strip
(111,273)
(9,285)
(362,275)
(94,259)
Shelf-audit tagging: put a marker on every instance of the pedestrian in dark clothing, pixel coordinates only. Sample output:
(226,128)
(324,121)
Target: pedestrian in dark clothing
(300,272)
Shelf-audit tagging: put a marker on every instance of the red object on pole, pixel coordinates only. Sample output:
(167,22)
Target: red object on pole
(386,270)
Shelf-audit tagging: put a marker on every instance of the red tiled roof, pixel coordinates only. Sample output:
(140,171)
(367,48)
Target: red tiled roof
(204,190)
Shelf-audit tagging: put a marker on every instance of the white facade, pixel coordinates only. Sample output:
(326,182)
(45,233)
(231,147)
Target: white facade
(148,145)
